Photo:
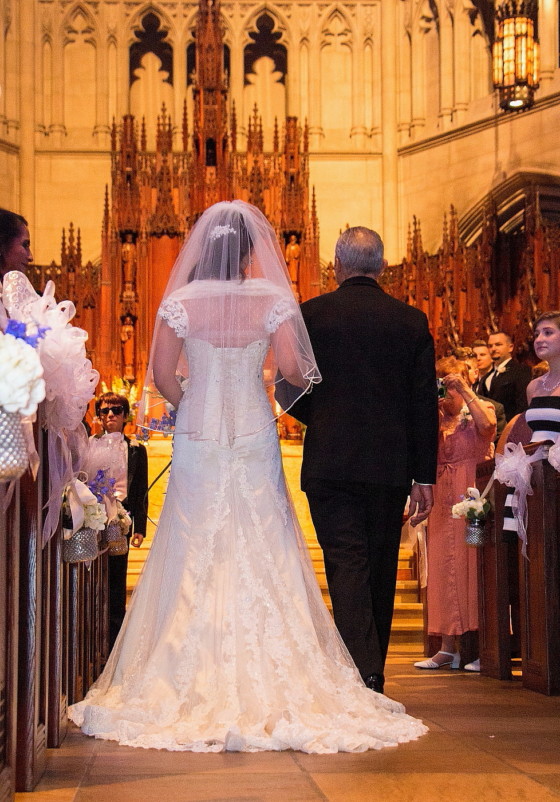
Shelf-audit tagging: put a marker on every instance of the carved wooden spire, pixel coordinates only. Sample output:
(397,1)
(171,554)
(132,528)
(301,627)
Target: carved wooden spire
(185,127)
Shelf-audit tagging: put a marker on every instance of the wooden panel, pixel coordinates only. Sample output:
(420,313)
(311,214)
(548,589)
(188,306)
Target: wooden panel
(56,695)
(540,585)
(31,734)
(7,669)
(493,586)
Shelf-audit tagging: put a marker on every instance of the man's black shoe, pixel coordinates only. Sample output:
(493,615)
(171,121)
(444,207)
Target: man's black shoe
(375,682)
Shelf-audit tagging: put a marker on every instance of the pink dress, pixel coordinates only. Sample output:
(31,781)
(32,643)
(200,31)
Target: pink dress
(452,578)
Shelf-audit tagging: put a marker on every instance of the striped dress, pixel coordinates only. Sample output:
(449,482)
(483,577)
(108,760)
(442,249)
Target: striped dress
(543,418)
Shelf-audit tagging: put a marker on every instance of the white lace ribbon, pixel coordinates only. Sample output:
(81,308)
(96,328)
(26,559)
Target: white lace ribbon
(514,468)
(78,495)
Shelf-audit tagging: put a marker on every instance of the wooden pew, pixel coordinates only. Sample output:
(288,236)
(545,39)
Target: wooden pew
(53,632)
(537,578)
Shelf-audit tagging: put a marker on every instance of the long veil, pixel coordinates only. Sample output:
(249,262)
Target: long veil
(229,288)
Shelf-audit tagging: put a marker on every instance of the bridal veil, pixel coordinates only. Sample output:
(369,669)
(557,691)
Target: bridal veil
(229,277)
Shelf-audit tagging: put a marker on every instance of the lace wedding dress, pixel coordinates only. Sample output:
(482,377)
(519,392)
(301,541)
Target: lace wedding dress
(227,644)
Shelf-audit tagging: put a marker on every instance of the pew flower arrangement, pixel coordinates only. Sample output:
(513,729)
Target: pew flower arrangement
(21,383)
(81,507)
(471,506)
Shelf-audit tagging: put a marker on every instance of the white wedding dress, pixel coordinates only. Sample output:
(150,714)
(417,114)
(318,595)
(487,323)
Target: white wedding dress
(227,644)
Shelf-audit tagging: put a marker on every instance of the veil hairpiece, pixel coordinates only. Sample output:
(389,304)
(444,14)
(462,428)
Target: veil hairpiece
(221,231)
(229,296)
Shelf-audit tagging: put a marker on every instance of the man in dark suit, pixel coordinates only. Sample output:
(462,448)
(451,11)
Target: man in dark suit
(132,490)
(507,381)
(371,430)
(472,362)
(484,363)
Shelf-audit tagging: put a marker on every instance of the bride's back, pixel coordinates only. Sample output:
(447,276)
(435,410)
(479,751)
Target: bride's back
(226,329)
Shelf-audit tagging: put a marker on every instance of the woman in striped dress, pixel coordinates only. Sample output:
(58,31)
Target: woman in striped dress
(543,394)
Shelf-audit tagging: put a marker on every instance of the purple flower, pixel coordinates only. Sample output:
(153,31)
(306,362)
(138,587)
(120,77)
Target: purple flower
(16,329)
(102,485)
(19,330)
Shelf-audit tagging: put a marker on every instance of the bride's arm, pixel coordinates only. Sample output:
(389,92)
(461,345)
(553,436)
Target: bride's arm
(285,347)
(166,356)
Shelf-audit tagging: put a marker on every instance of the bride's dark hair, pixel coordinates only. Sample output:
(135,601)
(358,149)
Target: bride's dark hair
(237,255)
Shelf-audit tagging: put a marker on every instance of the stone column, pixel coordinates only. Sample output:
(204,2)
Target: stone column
(418,99)
(462,59)
(292,43)
(358,129)
(26,55)
(3,76)
(548,35)
(315,127)
(57,129)
(389,131)
(102,128)
(446,68)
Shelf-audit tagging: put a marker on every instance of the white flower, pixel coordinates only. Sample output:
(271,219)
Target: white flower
(21,380)
(95,516)
(472,506)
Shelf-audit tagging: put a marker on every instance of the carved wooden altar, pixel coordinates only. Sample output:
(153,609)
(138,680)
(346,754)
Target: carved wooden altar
(156,197)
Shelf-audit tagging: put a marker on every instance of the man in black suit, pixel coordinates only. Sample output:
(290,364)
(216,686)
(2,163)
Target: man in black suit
(484,363)
(132,490)
(371,430)
(475,380)
(507,381)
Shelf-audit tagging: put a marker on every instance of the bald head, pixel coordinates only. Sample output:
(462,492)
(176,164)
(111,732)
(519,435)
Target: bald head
(359,252)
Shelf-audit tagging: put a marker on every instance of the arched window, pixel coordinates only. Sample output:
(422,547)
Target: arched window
(265,69)
(151,73)
(150,38)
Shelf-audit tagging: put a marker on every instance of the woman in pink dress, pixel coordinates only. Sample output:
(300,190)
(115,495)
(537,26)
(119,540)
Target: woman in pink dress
(467,429)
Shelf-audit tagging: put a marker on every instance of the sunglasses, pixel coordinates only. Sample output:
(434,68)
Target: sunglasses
(117,410)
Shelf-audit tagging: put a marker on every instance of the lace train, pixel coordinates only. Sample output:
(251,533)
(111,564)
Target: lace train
(227,644)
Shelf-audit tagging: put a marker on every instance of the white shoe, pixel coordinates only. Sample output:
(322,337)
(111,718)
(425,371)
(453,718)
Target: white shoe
(474,666)
(431,664)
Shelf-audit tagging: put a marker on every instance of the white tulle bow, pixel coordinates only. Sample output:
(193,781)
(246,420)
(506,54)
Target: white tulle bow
(69,378)
(514,468)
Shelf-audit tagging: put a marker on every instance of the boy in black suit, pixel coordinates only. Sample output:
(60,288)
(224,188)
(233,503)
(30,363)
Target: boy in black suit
(113,410)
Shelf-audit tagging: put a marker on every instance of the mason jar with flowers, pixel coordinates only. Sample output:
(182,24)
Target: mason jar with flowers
(474,509)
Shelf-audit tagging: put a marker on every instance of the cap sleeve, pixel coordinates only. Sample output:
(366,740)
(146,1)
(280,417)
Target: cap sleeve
(281,311)
(175,315)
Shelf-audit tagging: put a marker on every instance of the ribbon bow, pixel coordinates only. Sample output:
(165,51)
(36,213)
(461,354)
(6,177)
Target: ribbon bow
(78,495)
(514,468)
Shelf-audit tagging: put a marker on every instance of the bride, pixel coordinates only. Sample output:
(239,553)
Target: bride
(227,644)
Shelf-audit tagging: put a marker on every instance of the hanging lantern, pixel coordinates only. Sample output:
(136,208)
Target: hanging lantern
(515,54)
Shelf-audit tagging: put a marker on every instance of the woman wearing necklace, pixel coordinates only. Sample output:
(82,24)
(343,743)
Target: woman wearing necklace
(467,429)
(543,394)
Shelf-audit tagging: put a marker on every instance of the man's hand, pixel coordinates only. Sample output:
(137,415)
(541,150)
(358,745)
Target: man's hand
(421,503)
(137,539)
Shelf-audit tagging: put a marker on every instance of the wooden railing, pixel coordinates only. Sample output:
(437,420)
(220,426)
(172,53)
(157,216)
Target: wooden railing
(53,632)
(523,590)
